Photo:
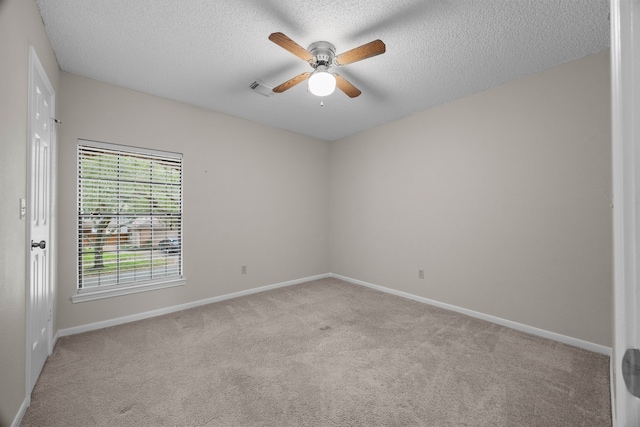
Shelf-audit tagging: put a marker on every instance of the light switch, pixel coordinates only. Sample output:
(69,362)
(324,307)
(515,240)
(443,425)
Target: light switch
(23,208)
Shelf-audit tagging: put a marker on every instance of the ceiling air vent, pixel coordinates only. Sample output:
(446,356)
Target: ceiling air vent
(259,87)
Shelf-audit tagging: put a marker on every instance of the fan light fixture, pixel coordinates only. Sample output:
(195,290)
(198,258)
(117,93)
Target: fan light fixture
(321,82)
(321,56)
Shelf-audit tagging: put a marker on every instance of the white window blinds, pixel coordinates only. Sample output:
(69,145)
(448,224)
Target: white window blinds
(129,216)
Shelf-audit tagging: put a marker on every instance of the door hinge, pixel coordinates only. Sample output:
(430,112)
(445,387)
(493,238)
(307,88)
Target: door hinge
(50,314)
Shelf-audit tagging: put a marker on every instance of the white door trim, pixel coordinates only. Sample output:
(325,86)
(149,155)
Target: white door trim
(36,68)
(625,88)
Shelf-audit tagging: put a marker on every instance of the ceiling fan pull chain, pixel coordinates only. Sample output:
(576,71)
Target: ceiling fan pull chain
(321,102)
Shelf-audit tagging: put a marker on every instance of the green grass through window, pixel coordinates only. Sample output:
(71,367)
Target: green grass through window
(128,261)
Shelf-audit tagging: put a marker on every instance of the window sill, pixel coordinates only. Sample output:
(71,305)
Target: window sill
(92,295)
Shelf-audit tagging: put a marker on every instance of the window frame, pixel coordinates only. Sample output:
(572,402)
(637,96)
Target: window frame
(111,290)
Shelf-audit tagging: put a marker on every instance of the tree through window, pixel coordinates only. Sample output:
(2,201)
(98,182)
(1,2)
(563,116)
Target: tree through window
(129,216)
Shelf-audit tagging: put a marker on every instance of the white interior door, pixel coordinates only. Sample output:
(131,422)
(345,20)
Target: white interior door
(625,79)
(41,113)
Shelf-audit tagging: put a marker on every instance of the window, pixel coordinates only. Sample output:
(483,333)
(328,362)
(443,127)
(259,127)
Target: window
(129,220)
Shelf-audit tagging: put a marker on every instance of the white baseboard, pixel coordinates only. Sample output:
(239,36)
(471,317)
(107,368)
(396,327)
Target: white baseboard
(597,348)
(180,307)
(23,409)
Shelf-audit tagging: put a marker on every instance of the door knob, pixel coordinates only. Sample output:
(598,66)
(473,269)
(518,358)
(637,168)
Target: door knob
(42,244)
(631,371)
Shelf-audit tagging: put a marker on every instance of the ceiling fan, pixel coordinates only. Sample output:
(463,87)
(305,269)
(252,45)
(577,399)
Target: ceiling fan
(322,57)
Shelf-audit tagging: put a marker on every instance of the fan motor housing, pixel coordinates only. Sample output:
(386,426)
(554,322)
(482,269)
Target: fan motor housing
(324,52)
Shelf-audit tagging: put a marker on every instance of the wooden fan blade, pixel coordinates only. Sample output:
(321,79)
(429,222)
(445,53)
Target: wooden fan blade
(346,87)
(286,43)
(365,51)
(291,82)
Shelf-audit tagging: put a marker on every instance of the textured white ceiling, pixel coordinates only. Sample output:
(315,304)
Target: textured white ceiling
(207,53)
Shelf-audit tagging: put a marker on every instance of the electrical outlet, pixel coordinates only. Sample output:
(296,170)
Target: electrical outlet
(243,269)
(420,274)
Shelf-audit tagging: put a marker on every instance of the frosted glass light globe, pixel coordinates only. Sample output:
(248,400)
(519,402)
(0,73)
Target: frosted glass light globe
(322,83)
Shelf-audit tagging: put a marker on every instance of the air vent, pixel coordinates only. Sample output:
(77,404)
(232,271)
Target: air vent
(259,87)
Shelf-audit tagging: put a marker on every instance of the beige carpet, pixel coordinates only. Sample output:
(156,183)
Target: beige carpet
(324,353)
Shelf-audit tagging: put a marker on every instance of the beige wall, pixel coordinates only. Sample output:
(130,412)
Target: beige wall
(253,195)
(503,198)
(20,26)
